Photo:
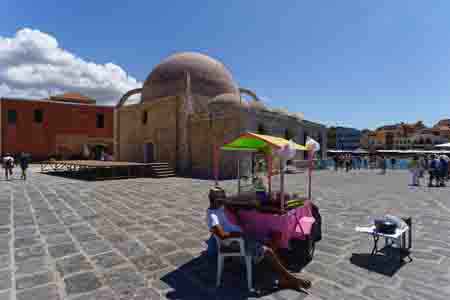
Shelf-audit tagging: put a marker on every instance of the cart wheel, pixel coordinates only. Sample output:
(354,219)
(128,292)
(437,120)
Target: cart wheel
(304,248)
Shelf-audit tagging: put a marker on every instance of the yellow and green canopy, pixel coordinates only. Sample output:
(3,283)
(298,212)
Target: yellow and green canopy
(258,142)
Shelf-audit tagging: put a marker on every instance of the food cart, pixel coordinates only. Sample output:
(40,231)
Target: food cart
(262,210)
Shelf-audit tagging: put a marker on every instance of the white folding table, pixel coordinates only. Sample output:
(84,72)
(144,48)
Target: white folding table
(398,240)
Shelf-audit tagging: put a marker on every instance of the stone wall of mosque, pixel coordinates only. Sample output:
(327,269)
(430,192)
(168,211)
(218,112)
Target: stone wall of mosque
(212,129)
(187,141)
(148,132)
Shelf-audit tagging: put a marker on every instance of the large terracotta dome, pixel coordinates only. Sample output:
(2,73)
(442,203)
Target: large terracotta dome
(208,76)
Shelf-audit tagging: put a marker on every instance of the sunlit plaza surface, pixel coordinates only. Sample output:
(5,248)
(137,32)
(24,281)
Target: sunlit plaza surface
(145,239)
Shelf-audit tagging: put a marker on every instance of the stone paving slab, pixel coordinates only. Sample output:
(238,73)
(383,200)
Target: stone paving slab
(34,280)
(143,239)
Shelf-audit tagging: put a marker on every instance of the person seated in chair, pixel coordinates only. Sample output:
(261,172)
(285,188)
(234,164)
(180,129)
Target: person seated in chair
(220,225)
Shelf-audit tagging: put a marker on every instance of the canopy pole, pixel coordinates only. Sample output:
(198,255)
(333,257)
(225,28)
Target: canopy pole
(311,162)
(239,175)
(269,173)
(216,165)
(282,184)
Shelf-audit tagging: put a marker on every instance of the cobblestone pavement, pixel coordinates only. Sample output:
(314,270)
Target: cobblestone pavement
(143,239)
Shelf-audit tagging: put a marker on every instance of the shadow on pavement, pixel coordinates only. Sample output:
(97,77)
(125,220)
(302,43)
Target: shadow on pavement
(83,177)
(386,265)
(196,279)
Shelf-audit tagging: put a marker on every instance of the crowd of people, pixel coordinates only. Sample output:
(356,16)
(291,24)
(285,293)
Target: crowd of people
(9,163)
(435,166)
(351,162)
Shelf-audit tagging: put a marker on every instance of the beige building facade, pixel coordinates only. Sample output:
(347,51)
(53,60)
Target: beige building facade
(189,106)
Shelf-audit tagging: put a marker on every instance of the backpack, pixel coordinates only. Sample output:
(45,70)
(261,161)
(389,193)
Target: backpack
(444,164)
(433,164)
(8,163)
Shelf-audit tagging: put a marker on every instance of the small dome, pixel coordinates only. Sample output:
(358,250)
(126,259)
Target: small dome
(208,77)
(258,105)
(229,99)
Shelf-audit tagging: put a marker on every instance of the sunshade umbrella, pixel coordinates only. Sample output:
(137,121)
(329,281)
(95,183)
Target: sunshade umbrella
(446,145)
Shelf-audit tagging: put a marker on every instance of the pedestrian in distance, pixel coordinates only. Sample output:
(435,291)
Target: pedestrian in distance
(447,159)
(341,161)
(426,163)
(367,162)
(422,166)
(8,165)
(434,171)
(24,162)
(348,163)
(383,165)
(443,170)
(414,169)
(393,162)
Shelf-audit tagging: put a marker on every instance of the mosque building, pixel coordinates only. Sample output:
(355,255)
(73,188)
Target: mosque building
(190,104)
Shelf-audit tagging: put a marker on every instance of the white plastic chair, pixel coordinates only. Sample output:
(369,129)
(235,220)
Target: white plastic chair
(230,253)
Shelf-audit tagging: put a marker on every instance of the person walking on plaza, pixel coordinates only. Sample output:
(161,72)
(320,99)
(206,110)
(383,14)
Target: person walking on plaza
(348,162)
(336,162)
(341,161)
(366,162)
(414,169)
(8,165)
(383,165)
(433,170)
(422,166)
(447,159)
(443,170)
(24,161)
(393,162)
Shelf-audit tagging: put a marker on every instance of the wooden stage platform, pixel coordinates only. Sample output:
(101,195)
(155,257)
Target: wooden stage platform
(96,170)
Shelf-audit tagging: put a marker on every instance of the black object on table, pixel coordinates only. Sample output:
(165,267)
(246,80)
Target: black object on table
(404,249)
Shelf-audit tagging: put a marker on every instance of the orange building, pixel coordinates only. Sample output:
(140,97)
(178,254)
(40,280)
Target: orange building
(66,126)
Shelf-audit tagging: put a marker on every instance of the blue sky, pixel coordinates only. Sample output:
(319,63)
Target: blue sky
(353,63)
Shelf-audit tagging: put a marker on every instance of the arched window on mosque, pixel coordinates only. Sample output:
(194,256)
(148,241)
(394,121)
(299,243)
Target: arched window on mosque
(144,117)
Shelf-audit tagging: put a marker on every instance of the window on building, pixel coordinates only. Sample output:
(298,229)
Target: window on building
(144,117)
(100,121)
(12,116)
(38,115)
(288,134)
(261,129)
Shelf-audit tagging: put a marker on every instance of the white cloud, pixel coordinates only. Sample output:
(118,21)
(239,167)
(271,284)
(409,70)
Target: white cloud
(33,65)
